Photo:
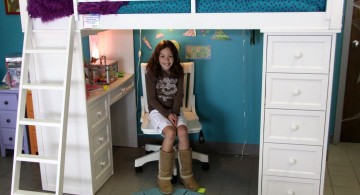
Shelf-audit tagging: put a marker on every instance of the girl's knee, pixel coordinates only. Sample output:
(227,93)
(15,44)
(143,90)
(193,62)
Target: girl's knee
(169,132)
(182,131)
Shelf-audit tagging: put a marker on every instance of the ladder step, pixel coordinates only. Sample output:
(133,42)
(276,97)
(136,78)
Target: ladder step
(25,192)
(43,86)
(37,159)
(40,122)
(47,50)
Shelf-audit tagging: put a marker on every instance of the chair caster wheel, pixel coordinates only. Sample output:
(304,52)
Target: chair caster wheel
(138,169)
(205,166)
(174,179)
(149,152)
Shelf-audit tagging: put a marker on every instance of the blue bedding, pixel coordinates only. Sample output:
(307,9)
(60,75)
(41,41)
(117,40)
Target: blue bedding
(223,6)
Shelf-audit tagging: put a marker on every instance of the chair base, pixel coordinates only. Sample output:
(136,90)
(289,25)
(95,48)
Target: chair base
(155,155)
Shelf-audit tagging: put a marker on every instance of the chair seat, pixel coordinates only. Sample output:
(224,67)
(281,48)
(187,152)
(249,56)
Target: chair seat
(193,123)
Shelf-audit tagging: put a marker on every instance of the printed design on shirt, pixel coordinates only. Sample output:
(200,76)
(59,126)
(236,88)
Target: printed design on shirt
(167,89)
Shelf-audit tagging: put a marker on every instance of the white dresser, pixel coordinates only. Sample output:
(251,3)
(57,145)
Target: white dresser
(297,83)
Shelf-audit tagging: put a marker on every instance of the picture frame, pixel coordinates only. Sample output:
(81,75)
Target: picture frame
(12,7)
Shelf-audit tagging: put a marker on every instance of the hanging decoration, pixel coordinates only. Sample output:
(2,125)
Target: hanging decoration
(220,35)
(190,33)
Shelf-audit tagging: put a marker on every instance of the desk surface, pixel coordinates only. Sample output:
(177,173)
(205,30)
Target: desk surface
(98,93)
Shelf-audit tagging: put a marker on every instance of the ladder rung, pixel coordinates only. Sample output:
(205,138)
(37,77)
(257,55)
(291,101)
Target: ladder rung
(37,159)
(25,192)
(43,86)
(40,122)
(47,50)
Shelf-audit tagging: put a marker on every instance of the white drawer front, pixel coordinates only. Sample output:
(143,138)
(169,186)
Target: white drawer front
(121,91)
(296,91)
(8,136)
(98,112)
(299,54)
(102,164)
(273,185)
(101,139)
(292,160)
(294,126)
(8,102)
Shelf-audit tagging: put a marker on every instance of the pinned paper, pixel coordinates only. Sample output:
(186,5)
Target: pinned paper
(159,35)
(220,35)
(190,33)
(91,21)
(198,52)
(147,43)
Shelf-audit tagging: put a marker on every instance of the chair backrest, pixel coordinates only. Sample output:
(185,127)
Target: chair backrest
(188,100)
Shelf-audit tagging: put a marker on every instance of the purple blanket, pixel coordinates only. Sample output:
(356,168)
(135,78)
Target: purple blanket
(49,10)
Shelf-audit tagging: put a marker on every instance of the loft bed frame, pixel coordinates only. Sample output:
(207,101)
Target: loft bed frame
(331,19)
(301,29)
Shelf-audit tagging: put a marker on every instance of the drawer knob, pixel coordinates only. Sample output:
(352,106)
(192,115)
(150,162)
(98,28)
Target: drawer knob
(296,92)
(101,139)
(292,161)
(290,192)
(8,120)
(99,113)
(295,127)
(11,138)
(102,163)
(6,102)
(298,55)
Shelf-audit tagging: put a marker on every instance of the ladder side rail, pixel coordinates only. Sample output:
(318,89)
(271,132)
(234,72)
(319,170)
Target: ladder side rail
(65,106)
(19,132)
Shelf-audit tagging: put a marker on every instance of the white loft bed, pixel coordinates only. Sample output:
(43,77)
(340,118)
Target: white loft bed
(329,20)
(299,50)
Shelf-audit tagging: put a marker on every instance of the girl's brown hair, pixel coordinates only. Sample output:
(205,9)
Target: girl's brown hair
(154,66)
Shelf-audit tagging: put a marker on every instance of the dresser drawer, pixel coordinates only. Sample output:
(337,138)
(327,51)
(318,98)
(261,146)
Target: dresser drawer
(8,102)
(102,164)
(296,91)
(294,126)
(98,112)
(101,139)
(272,185)
(8,137)
(298,54)
(292,160)
(8,119)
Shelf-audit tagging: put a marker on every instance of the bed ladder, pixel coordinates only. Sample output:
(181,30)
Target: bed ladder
(60,123)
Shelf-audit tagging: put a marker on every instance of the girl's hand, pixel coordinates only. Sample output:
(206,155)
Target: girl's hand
(173,118)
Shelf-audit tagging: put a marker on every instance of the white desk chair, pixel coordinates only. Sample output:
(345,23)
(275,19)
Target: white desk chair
(188,110)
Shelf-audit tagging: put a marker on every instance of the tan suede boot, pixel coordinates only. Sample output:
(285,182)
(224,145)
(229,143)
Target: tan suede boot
(166,163)
(186,174)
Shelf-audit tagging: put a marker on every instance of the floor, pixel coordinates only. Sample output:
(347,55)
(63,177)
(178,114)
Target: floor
(228,174)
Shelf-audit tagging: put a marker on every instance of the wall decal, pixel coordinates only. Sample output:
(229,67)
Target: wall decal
(220,35)
(190,33)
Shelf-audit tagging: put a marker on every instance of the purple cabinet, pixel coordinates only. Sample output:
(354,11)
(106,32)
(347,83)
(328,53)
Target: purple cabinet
(8,114)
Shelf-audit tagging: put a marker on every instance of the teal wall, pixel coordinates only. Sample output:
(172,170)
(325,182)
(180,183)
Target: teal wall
(11,37)
(225,85)
(227,89)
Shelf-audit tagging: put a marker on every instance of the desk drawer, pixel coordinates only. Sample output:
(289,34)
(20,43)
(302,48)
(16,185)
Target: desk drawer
(8,119)
(101,139)
(296,91)
(102,164)
(299,54)
(8,102)
(272,185)
(98,112)
(294,126)
(120,91)
(292,160)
